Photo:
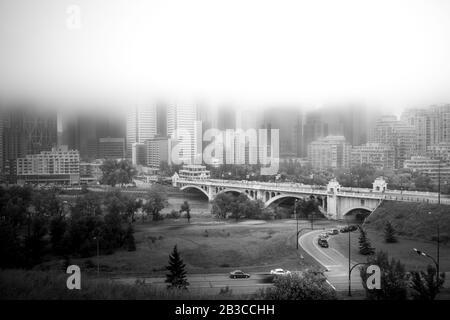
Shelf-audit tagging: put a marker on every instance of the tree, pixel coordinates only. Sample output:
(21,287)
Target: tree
(365,247)
(117,172)
(394,280)
(425,285)
(389,233)
(307,207)
(221,205)
(176,278)
(311,285)
(129,239)
(185,208)
(57,230)
(156,201)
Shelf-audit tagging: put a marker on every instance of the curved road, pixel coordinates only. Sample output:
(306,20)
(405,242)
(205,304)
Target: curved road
(332,260)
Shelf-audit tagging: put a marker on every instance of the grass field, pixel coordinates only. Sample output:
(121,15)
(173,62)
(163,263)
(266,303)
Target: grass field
(209,246)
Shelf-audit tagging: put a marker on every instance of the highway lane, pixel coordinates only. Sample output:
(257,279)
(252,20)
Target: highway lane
(209,283)
(335,263)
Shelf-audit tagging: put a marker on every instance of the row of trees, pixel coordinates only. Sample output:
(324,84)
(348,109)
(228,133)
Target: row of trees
(228,205)
(38,223)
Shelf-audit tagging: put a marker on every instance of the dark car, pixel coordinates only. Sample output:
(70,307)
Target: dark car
(323,243)
(238,274)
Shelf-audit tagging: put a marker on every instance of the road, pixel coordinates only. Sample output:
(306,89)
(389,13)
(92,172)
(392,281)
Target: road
(332,260)
(210,283)
(336,263)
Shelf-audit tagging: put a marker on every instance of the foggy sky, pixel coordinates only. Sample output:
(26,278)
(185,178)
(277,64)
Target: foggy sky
(390,54)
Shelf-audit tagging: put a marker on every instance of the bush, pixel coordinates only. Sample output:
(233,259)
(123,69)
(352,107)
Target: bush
(174,214)
(311,285)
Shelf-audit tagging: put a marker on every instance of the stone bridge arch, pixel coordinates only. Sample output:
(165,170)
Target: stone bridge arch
(196,187)
(235,191)
(281,196)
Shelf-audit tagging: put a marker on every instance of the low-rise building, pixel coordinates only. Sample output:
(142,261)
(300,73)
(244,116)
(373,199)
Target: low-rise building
(58,166)
(433,168)
(194,172)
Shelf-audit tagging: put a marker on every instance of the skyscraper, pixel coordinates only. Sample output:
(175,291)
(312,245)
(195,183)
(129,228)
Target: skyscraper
(400,135)
(183,126)
(141,125)
(329,152)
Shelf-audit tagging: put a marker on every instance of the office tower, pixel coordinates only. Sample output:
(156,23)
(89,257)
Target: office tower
(329,152)
(111,148)
(379,156)
(141,125)
(158,150)
(289,123)
(439,151)
(353,121)
(139,154)
(60,165)
(400,135)
(183,126)
(1,143)
(28,131)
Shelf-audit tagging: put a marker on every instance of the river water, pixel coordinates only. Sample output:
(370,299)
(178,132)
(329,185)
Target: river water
(197,202)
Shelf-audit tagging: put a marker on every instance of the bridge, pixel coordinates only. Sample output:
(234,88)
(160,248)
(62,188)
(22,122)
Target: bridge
(336,201)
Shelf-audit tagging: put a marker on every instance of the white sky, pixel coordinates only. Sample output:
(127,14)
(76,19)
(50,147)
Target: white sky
(389,54)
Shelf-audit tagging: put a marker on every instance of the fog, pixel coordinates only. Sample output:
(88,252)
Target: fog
(113,53)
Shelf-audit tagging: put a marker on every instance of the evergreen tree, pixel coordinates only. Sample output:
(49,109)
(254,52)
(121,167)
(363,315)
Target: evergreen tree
(177,276)
(425,284)
(389,233)
(129,239)
(365,247)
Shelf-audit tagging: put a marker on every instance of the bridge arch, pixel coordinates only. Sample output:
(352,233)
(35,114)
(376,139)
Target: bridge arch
(281,196)
(235,191)
(346,211)
(196,187)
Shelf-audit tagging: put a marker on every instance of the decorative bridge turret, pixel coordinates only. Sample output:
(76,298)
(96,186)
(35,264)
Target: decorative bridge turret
(336,200)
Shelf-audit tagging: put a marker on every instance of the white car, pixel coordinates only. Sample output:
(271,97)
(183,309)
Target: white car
(280,272)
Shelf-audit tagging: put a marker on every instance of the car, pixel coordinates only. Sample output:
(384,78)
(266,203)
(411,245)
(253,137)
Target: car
(333,232)
(323,235)
(280,272)
(323,243)
(238,274)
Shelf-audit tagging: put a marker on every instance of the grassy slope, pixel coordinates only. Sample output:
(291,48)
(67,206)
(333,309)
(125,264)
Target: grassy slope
(415,229)
(412,219)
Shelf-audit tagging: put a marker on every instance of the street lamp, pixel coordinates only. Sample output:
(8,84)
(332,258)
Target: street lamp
(436,263)
(98,257)
(296,218)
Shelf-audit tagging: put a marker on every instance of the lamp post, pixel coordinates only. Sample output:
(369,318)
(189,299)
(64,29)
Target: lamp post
(296,218)
(436,263)
(98,257)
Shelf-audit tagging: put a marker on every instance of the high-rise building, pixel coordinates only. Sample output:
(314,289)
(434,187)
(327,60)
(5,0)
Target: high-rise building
(400,135)
(329,152)
(60,165)
(141,125)
(183,126)
(379,156)
(158,150)
(111,148)
(439,151)
(28,131)
(289,123)
(139,154)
